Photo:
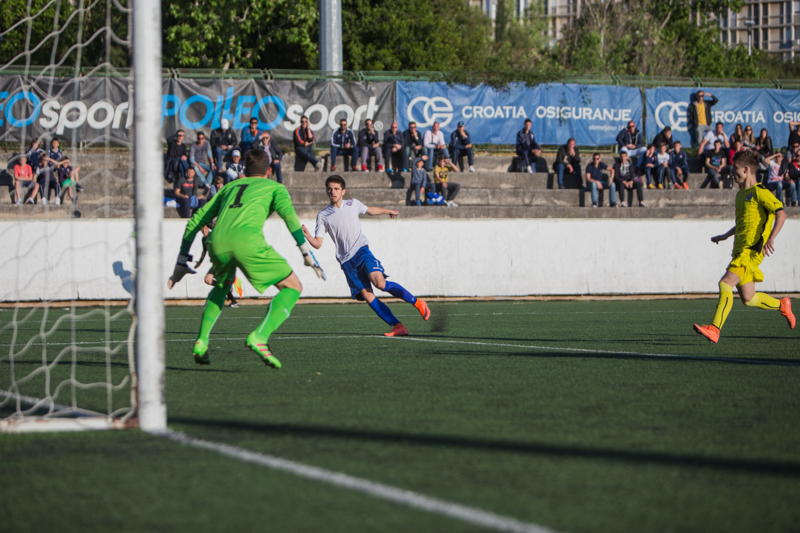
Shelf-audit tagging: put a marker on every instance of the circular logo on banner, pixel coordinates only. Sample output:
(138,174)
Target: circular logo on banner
(436,109)
(378,125)
(672,114)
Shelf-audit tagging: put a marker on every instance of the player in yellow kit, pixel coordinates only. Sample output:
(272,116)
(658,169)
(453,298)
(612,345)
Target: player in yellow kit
(759,219)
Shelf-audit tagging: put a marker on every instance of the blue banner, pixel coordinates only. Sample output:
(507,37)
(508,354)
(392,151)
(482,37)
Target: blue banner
(593,115)
(772,109)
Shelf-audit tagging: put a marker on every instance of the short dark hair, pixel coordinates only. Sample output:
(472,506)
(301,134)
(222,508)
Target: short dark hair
(596,154)
(571,140)
(335,179)
(667,128)
(720,124)
(527,120)
(748,159)
(342,120)
(677,142)
(54,139)
(192,169)
(412,122)
(253,118)
(718,142)
(199,133)
(256,163)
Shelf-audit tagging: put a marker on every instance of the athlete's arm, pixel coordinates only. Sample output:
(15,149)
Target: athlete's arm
(374,211)
(769,246)
(202,217)
(316,242)
(718,238)
(282,204)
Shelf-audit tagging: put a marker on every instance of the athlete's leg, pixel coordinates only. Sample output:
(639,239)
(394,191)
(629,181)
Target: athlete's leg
(281,305)
(726,284)
(395,289)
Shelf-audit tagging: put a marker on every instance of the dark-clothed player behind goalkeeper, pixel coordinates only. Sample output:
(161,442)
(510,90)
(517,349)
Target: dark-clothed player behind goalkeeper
(241,209)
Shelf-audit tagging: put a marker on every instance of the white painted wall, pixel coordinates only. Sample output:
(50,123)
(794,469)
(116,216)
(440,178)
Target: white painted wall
(92,259)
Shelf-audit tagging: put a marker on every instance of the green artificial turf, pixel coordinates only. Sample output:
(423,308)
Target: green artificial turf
(487,405)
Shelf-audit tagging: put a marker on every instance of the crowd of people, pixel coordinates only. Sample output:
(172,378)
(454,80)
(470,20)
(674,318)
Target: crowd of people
(44,174)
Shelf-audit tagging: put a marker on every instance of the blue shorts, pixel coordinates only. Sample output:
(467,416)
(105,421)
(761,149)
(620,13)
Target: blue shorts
(358,269)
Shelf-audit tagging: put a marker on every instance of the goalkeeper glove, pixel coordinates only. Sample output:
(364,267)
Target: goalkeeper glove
(311,261)
(181,269)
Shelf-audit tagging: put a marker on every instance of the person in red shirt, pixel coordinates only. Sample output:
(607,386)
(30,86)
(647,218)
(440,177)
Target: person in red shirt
(23,178)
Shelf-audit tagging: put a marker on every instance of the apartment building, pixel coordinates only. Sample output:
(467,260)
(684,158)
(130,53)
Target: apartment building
(558,12)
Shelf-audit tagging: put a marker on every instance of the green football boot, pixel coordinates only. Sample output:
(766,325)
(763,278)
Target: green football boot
(256,343)
(200,353)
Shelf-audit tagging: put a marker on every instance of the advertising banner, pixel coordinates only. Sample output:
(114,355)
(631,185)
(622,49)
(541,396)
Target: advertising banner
(592,114)
(96,110)
(772,109)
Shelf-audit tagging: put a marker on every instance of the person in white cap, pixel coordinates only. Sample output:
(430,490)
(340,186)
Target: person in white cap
(223,141)
(235,168)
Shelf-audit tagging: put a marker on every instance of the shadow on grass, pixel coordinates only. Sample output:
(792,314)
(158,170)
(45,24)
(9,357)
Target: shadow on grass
(758,466)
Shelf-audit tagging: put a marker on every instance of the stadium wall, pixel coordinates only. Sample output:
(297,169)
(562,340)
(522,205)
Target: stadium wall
(93,260)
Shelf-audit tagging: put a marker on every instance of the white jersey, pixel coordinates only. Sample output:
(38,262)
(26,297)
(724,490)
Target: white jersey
(344,226)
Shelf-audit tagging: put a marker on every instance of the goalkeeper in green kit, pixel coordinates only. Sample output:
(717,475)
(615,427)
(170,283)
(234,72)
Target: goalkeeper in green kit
(241,209)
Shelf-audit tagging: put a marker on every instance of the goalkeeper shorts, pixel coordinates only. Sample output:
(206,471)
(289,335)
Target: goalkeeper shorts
(261,265)
(745,265)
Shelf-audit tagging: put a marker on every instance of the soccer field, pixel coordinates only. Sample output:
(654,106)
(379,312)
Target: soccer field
(578,416)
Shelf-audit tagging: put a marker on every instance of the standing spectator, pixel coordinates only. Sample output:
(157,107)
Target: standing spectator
(699,116)
(717,135)
(392,144)
(419,179)
(665,137)
(713,163)
(630,139)
(304,144)
(250,136)
(35,153)
(748,139)
(625,178)
(647,163)
(433,143)
(190,194)
(343,143)
(779,179)
(412,144)
(68,179)
(369,144)
(23,179)
(597,180)
(663,168)
(460,141)
(47,180)
(527,147)
(235,168)
(177,160)
(794,133)
(679,162)
(441,173)
(568,158)
(200,158)
(275,155)
(223,141)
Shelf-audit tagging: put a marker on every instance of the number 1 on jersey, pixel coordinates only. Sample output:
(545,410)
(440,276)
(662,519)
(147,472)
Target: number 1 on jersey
(237,202)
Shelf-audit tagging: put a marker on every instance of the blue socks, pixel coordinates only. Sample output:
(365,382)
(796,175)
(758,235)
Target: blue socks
(383,311)
(399,292)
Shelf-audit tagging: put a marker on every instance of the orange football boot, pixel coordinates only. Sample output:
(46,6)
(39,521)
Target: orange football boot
(399,330)
(422,307)
(709,332)
(786,311)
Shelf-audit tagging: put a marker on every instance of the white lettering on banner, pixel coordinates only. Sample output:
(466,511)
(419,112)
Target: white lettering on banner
(583,113)
(295,111)
(506,111)
(92,117)
(436,109)
(744,117)
(786,116)
(66,120)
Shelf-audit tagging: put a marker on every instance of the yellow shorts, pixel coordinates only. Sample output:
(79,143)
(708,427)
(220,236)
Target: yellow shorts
(745,265)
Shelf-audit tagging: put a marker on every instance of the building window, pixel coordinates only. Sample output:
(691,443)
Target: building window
(764,14)
(724,37)
(734,37)
(734,20)
(765,39)
(780,12)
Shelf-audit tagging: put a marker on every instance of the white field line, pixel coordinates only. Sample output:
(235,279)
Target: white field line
(408,498)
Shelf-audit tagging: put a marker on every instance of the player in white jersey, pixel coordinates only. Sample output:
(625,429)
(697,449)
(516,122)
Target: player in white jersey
(362,270)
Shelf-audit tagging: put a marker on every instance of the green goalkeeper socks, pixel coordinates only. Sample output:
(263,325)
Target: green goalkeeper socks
(214,304)
(279,310)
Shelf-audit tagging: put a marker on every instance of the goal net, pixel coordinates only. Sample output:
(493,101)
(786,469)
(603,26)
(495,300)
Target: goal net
(72,220)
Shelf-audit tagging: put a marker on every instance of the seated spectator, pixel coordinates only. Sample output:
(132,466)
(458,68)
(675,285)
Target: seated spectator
(764,143)
(630,140)
(794,174)
(392,145)
(647,165)
(527,147)
(568,158)
(177,157)
(737,135)
(251,134)
(737,147)
(216,185)
(679,162)
(779,179)
(369,145)
(68,179)
(625,178)
(597,180)
(441,173)
(223,141)
(343,142)
(23,180)
(707,145)
(665,137)
(714,161)
(190,194)
(748,140)
(420,182)
(200,158)
(55,154)
(275,154)
(794,133)
(461,142)
(412,144)
(35,152)
(663,169)
(47,180)
(304,144)
(235,168)
(433,142)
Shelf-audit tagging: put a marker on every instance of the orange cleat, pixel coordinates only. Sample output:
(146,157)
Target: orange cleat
(686,185)
(422,307)
(399,330)
(786,311)
(709,332)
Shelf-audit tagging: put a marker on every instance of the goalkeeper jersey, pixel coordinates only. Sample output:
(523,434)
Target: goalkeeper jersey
(241,208)
(755,212)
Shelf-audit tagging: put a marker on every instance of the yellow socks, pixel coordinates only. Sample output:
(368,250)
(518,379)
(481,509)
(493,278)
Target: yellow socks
(764,301)
(724,304)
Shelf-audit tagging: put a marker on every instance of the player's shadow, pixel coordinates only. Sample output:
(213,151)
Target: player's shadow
(176,368)
(761,466)
(125,276)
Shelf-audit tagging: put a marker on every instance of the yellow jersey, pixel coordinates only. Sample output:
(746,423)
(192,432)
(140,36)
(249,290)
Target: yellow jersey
(701,113)
(755,214)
